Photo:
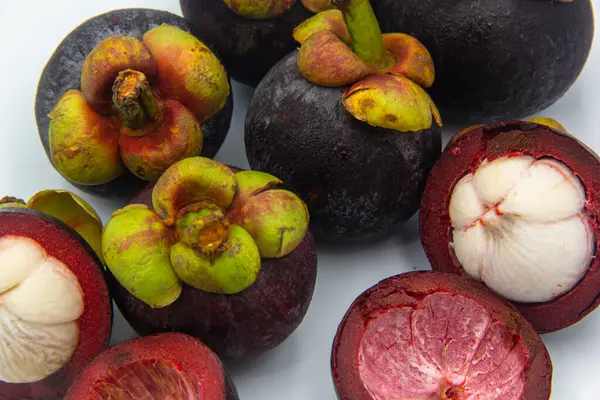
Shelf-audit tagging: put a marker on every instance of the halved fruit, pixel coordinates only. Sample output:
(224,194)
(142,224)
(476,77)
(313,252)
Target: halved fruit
(162,367)
(431,335)
(55,311)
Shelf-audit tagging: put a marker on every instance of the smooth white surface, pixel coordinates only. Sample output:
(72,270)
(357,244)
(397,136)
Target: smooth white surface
(299,368)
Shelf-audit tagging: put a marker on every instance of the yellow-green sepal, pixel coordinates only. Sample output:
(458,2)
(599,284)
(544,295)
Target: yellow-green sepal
(74,212)
(136,247)
(276,219)
(229,272)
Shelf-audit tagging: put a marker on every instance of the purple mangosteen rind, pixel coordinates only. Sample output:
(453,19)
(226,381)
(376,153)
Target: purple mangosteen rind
(239,325)
(38,225)
(358,181)
(506,139)
(63,73)
(248,47)
(410,289)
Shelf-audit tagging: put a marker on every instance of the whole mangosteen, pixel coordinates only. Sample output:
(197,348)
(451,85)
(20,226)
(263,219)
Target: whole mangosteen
(55,309)
(127,94)
(250,36)
(496,59)
(164,366)
(221,255)
(346,124)
(514,205)
(430,335)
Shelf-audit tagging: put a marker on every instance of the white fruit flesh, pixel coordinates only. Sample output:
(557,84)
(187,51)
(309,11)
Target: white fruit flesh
(40,304)
(446,347)
(520,226)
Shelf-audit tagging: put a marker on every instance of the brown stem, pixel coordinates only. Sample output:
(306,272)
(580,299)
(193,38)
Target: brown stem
(132,95)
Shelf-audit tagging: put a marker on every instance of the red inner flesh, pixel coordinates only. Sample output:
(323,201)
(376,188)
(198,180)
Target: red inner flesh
(149,380)
(446,345)
(512,139)
(94,324)
(168,366)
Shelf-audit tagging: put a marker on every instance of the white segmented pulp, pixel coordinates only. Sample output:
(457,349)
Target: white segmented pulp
(520,226)
(40,303)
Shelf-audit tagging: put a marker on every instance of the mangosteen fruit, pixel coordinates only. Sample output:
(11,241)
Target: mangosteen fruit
(55,309)
(163,366)
(496,59)
(126,95)
(220,255)
(514,205)
(431,335)
(346,124)
(250,36)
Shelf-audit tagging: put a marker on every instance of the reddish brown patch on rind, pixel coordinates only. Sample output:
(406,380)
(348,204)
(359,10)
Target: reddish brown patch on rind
(102,65)
(95,324)
(492,142)
(326,60)
(407,290)
(175,352)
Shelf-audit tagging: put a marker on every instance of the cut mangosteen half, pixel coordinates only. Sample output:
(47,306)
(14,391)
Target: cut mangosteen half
(127,94)
(513,206)
(231,261)
(55,311)
(165,366)
(431,335)
(361,163)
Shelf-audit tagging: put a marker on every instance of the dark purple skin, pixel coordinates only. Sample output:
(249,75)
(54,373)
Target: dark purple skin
(248,47)
(496,60)
(233,326)
(63,72)
(358,181)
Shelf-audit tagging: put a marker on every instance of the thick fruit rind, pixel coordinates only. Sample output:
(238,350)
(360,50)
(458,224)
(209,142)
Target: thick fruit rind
(491,142)
(403,290)
(62,242)
(186,354)
(59,76)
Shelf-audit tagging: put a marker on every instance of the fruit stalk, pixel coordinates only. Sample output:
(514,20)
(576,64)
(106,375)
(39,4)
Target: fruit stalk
(367,40)
(133,98)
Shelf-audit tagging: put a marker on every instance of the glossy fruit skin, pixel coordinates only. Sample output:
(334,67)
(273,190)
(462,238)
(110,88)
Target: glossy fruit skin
(514,138)
(247,47)
(68,246)
(234,326)
(496,59)
(400,290)
(60,75)
(189,353)
(358,181)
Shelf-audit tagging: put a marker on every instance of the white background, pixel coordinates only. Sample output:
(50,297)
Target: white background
(299,368)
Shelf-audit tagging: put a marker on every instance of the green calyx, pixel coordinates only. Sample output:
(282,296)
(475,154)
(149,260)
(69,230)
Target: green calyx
(386,73)
(209,229)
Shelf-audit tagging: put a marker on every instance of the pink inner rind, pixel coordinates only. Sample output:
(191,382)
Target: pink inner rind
(149,380)
(447,346)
